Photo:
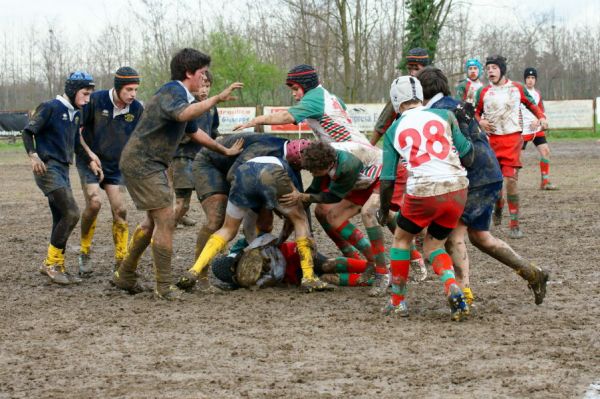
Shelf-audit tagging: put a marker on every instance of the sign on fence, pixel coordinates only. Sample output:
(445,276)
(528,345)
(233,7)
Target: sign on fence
(364,116)
(571,114)
(230,117)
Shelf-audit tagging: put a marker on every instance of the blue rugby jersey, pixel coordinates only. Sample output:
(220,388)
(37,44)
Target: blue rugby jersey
(152,145)
(209,123)
(105,134)
(56,133)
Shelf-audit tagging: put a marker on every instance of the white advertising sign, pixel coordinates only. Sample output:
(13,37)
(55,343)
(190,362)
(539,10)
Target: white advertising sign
(364,116)
(571,114)
(230,117)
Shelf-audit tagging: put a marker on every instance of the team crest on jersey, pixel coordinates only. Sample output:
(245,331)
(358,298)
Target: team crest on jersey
(77,120)
(65,117)
(129,117)
(105,113)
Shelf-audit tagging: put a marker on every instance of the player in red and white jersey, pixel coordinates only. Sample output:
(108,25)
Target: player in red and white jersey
(467,88)
(497,109)
(532,131)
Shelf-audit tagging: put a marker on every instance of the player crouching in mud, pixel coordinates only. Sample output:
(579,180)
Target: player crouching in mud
(259,183)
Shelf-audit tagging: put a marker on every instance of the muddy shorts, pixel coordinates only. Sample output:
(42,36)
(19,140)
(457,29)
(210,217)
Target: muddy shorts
(399,187)
(112,175)
(150,192)
(360,197)
(259,185)
(56,176)
(182,173)
(480,205)
(538,138)
(208,180)
(443,211)
(507,148)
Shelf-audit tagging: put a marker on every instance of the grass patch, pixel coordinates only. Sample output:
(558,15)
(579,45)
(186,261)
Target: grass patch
(572,134)
(7,146)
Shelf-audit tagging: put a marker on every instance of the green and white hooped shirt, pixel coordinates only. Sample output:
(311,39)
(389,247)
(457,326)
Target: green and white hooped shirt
(326,115)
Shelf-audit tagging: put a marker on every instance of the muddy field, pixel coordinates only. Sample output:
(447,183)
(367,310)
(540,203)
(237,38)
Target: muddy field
(93,341)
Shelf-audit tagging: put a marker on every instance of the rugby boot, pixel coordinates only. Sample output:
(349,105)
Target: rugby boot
(85,265)
(468,295)
(117,264)
(367,275)
(309,285)
(187,221)
(126,281)
(170,293)
(56,274)
(418,270)
(458,304)
(187,281)
(538,285)
(331,278)
(515,233)
(497,216)
(73,279)
(400,310)
(380,285)
(548,186)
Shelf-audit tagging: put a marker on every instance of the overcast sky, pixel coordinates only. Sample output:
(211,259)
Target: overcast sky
(86,17)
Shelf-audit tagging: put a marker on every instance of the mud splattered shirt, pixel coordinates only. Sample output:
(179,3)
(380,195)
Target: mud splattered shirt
(209,123)
(346,175)
(55,126)
(485,168)
(501,106)
(155,139)
(431,143)
(105,132)
(528,117)
(327,117)
(467,89)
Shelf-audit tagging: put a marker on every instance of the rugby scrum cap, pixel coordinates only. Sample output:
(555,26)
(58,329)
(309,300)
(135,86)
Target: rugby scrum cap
(531,71)
(76,81)
(497,60)
(474,62)
(405,88)
(304,76)
(294,152)
(126,76)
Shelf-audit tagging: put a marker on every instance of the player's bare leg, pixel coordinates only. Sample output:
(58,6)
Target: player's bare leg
(120,227)
(91,193)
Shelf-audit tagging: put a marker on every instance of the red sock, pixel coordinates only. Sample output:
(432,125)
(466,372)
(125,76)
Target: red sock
(441,263)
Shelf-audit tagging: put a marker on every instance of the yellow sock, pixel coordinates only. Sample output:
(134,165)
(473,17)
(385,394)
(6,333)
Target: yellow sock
(56,256)
(214,245)
(120,232)
(304,247)
(86,238)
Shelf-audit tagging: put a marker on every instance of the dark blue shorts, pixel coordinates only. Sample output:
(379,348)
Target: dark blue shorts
(208,180)
(182,173)
(56,176)
(259,185)
(112,175)
(480,205)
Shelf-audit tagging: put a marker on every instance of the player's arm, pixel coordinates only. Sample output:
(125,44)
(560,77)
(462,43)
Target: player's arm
(460,91)
(384,121)
(461,143)
(37,122)
(193,111)
(276,118)
(529,102)
(202,138)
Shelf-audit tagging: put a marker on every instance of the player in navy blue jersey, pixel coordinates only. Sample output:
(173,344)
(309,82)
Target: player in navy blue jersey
(108,121)
(50,139)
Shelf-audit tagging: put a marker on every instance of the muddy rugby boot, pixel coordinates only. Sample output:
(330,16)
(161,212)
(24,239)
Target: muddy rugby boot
(468,296)
(85,265)
(515,233)
(309,285)
(171,293)
(538,285)
(187,281)
(458,304)
(400,310)
(367,275)
(126,281)
(548,186)
(56,273)
(380,285)
(418,270)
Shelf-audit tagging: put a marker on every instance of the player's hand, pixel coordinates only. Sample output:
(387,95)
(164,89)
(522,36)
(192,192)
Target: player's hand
(226,95)
(236,148)
(543,123)
(382,217)
(487,126)
(97,170)
(291,199)
(243,126)
(94,158)
(37,165)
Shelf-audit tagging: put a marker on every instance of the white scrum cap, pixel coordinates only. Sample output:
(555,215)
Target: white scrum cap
(405,88)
